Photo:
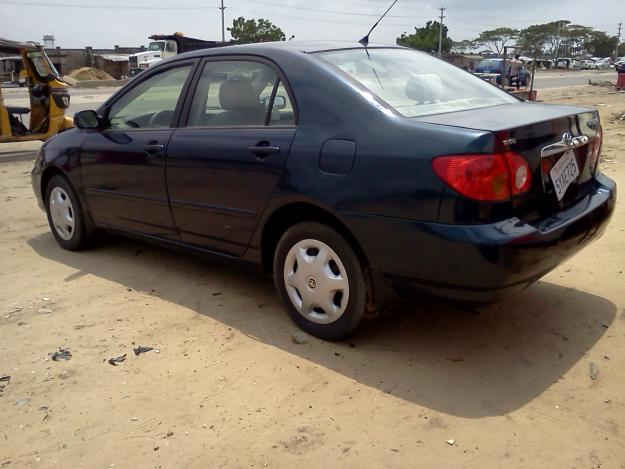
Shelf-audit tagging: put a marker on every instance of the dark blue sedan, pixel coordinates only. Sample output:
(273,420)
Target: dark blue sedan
(341,169)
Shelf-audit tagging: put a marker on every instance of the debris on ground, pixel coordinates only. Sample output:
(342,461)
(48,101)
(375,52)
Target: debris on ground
(4,381)
(618,117)
(142,349)
(594,371)
(451,442)
(44,311)
(299,338)
(115,360)
(604,83)
(47,411)
(61,354)
(217,293)
(90,73)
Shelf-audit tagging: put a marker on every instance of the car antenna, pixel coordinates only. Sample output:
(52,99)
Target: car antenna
(365,40)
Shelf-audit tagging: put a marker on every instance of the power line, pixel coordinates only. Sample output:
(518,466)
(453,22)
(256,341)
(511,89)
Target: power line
(193,7)
(100,6)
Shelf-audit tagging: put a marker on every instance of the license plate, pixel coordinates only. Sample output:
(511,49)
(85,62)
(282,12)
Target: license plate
(563,173)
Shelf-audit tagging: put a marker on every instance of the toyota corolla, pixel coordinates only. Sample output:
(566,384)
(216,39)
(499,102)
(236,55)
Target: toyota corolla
(341,169)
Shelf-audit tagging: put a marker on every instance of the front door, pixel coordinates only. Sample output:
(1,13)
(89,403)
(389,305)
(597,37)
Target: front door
(223,165)
(123,165)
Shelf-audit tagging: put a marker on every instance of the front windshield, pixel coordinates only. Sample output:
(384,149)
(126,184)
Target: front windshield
(156,46)
(42,64)
(415,83)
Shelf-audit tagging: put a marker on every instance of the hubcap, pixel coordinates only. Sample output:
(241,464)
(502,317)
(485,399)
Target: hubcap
(62,213)
(316,281)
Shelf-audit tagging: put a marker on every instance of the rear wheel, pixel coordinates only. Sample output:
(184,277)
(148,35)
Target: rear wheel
(320,280)
(65,216)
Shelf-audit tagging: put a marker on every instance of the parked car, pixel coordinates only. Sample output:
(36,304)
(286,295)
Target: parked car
(342,170)
(588,64)
(496,66)
(569,64)
(604,64)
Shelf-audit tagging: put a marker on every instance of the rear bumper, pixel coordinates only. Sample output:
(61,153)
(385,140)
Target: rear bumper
(484,262)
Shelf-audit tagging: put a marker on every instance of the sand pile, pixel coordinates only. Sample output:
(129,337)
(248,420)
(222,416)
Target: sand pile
(90,73)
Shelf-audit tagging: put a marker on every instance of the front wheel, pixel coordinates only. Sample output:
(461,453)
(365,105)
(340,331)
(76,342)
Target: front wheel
(65,216)
(320,280)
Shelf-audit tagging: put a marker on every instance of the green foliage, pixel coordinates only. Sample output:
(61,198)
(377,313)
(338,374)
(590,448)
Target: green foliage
(464,46)
(497,39)
(533,38)
(245,31)
(602,45)
(426,38)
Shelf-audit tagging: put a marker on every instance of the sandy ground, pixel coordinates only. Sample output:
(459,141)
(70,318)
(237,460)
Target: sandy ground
(508,385)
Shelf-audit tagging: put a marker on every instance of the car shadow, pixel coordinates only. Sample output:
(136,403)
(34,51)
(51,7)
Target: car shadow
(466,361)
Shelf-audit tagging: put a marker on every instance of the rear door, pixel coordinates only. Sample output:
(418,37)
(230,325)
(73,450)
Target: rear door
(224,163)
(123,165)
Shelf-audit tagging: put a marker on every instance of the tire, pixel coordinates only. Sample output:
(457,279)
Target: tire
(65,215)
(327,297)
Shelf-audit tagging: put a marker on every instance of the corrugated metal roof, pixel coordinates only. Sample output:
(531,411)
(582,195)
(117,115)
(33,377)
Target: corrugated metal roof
(9,46)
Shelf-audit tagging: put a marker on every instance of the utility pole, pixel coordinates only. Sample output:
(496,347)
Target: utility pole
(440,33)
(618,39)
(223,30)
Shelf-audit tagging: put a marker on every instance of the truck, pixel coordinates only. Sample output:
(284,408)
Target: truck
(163,46)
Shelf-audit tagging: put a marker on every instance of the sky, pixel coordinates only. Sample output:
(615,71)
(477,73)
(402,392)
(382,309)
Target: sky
(105,23)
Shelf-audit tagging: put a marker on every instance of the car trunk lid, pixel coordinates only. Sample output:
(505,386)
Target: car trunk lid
(542,134)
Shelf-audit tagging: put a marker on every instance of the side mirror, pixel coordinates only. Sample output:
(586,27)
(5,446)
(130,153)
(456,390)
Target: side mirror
(87,120)
(279,102)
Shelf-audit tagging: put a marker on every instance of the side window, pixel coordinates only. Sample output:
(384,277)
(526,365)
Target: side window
(150,104)
(282,112)
(232,93)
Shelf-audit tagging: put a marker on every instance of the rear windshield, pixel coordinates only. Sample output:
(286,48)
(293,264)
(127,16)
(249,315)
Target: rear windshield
(415,83)
(490,64)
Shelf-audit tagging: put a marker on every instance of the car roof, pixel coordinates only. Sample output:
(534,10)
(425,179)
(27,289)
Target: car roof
(307,47)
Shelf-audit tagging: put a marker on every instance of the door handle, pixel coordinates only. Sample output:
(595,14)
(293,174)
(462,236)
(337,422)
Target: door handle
(263,149)
(154,149)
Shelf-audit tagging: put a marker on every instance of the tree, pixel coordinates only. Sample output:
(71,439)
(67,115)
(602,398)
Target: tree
(426,38)
(533,38)
(244,31)
(557,31)
(577,38)
(462,47)
(601,45)
(497,39)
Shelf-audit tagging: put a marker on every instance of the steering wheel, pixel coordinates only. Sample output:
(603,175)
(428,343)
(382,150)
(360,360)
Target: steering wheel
(154,120)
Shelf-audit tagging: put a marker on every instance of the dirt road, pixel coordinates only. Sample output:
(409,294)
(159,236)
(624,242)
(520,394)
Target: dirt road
(535,381)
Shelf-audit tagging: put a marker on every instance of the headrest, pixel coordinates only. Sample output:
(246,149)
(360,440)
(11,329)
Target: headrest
(237,94)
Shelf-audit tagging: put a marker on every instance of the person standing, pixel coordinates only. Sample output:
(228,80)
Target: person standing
(620,81)
(515,71)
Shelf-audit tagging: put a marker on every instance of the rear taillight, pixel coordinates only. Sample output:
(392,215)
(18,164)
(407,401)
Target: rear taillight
(594,150)
(488,177)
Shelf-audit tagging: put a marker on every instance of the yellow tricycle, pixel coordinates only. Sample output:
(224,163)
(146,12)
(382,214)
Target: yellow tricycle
(48,96)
